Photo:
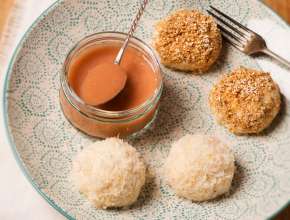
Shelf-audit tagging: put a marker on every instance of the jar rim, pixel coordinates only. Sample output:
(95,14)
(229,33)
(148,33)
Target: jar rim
(93,111)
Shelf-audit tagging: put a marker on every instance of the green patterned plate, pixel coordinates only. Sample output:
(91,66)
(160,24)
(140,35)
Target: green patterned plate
(45,143)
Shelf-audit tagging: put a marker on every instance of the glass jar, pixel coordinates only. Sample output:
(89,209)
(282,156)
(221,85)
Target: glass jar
(103,123)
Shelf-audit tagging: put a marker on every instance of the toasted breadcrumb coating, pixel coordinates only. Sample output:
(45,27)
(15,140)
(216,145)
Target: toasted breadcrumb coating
(245,101)
(188,40)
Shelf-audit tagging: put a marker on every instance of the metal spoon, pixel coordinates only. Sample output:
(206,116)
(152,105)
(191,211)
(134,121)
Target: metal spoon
(130,33)
(112,75)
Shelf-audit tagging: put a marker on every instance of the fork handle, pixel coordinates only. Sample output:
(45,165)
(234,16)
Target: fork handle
(277,57)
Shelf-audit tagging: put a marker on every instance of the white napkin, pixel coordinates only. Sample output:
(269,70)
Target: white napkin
(23,13)
(18,199)
(278,40)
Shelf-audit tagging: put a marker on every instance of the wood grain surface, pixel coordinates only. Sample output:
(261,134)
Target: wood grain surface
(282,7)
(5,8)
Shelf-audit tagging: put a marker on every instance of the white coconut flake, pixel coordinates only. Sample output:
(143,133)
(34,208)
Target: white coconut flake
(199,167)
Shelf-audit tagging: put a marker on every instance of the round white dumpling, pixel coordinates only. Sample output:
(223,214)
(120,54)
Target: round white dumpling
(109,173)
(199,167)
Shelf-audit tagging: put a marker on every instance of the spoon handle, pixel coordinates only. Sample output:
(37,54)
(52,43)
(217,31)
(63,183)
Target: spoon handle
(131,31)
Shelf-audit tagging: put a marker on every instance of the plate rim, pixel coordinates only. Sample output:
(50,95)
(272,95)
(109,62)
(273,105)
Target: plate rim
(8,133)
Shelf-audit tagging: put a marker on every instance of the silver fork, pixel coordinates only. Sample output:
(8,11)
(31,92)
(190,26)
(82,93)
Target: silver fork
(242,37)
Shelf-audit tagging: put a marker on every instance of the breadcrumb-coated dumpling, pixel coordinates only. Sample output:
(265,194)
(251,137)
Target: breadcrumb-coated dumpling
(245,101)
(199,167)
(188,40)
(110,173)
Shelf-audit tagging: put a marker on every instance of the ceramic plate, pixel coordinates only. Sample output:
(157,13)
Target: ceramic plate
(45,143)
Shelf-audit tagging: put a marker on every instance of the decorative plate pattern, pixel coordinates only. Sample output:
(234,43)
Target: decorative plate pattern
(45,143)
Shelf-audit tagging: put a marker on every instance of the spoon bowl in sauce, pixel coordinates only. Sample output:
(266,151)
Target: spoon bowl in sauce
(101,83)
(105,81)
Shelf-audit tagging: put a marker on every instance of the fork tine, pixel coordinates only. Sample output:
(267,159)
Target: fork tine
(232,36)
(244,28)
(234,43)
(238,31)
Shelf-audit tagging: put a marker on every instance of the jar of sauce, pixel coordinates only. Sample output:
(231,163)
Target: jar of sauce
(133,108)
